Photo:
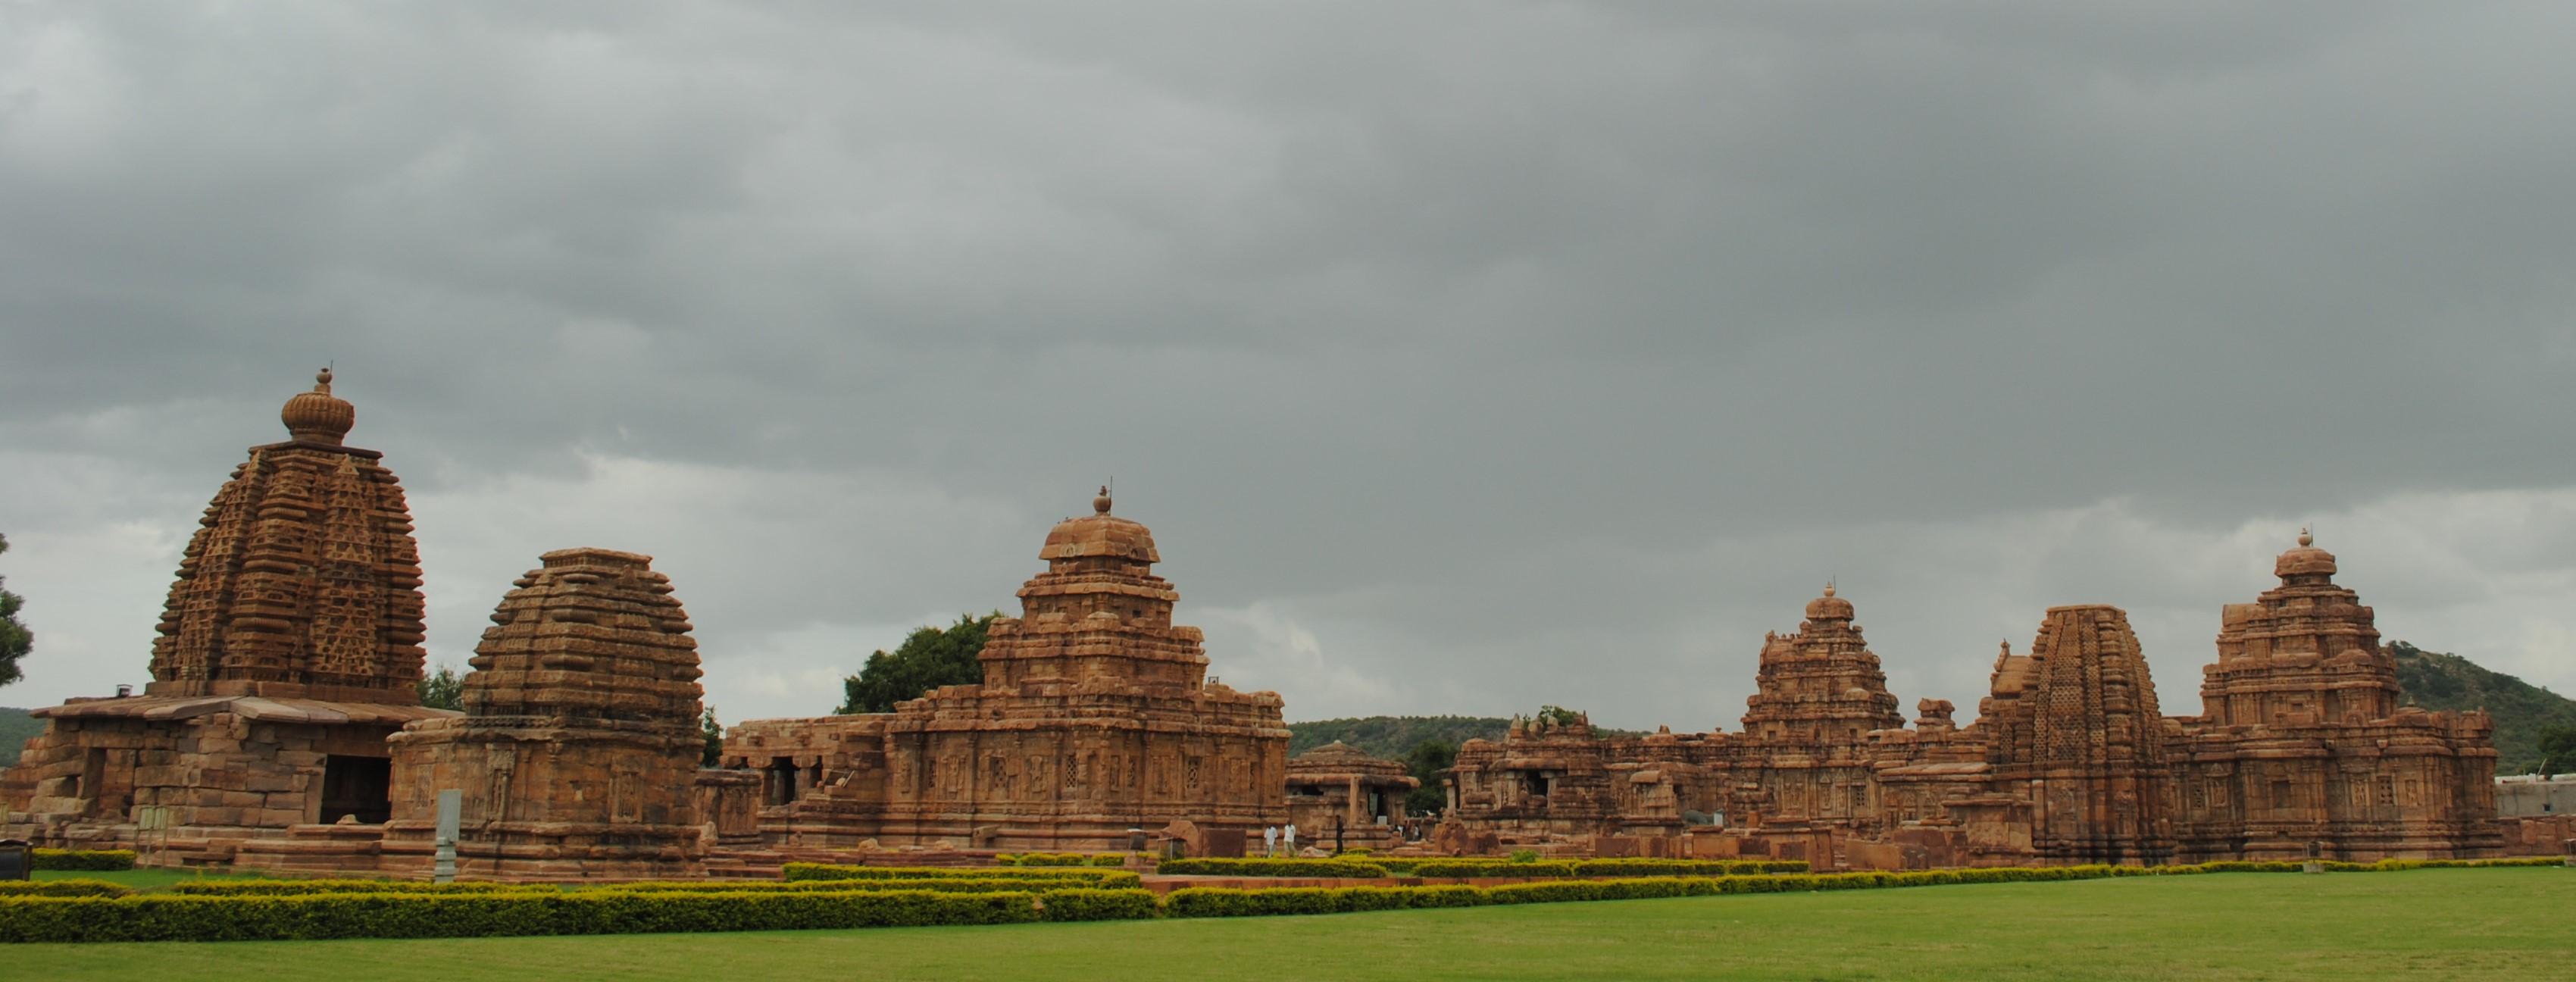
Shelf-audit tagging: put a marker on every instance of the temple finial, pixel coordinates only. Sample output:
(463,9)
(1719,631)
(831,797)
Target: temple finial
(2306,538)
(1101,503)
(322,380)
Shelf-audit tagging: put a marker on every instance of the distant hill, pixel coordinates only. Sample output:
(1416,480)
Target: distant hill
(1392,737)
(2438,681)
(16,728)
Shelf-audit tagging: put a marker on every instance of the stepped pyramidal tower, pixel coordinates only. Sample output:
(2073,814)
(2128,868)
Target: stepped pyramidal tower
(1095,716)
(289,650)
(2303,737)
(1821,684)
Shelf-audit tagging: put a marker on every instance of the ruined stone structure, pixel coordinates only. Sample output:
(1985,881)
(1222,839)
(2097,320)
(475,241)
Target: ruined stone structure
(579,745)
(1095,716)
(2302,741)
(280,730)
(1338,790)
(289,651)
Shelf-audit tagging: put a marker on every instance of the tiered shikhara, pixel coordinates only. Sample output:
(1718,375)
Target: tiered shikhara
(289,651)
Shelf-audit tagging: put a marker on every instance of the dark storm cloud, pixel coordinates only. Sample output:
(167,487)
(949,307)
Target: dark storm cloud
(1464,356)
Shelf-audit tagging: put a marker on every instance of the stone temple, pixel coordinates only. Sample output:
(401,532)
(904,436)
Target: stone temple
(288,651)
(280,731)
(1096,716)
(2302,740)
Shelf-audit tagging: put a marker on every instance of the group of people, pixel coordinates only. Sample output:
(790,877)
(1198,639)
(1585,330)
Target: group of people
(1273,836)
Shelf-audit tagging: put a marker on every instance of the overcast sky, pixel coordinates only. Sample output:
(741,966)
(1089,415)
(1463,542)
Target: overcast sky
(1463,357)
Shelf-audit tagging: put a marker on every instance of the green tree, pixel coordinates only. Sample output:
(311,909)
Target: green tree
(1559,715)
(930,658)
(714,734)
(15,640)
(1425,762)
(443,689)
(2557,749)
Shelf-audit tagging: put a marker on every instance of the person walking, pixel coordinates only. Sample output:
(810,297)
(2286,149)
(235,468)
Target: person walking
(1270,839)
(1289,838)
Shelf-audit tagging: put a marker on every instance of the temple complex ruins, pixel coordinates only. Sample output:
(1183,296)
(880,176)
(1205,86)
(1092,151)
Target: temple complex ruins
(2301,741)
(280,730)
(1338,794)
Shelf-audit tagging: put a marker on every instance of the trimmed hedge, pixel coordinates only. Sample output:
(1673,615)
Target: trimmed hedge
(1042,859)
(297,888)
(1229,902)
(1226,902)
(1685,867)
(1060,859)
(1098,905)
(412,915)
(1463,868)
(996,883)
(89,910)
(82,859)
(62,888)
(831,871)
(1225,866)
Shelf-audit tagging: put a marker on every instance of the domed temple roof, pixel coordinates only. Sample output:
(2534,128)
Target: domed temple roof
(2307,562)
(318,416)
(1100,534)
(1829,607)
(591,634)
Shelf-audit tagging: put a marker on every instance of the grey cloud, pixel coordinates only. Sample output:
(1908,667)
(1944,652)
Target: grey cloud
(1517,353)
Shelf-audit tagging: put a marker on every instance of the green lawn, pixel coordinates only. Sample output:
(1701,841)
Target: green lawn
(2438,924)
(141,879)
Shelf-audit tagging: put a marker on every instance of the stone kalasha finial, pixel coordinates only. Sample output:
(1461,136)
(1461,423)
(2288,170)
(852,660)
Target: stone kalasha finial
(1829,588)
(2305,538)
(318,416)
(1101,503)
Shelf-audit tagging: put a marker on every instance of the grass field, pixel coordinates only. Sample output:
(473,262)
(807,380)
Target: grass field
(141,879)
(2437,924)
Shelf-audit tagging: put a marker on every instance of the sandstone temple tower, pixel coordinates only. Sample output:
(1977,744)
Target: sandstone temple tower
(303,579)
(1095,716)
(2302,737)
(2074,731)
(289,650)
(579,744)
(1821,684)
